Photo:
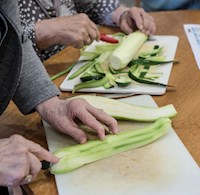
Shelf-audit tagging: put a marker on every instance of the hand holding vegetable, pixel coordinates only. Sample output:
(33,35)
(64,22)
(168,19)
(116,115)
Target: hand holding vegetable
(76,31)
(131,19)
(19,158)
(62,114)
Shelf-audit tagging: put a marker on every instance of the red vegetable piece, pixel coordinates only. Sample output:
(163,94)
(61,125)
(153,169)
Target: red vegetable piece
(104,37)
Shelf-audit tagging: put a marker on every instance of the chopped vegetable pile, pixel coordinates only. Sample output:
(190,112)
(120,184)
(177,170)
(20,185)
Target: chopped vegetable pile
(118,62)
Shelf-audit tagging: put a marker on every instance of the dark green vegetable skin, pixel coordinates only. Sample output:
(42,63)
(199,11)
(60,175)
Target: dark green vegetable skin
(91,84)
(133,77)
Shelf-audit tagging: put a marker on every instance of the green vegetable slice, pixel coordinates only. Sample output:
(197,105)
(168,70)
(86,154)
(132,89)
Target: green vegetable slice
(91,84)
(123,81)
(125,111)
(74,157)
(82,69)
(133,74)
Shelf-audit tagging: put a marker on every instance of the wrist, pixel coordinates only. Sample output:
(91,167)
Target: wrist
(43,107)
(118,14)
(45,34)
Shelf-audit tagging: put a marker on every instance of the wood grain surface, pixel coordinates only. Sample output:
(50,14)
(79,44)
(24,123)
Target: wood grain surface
(185,97)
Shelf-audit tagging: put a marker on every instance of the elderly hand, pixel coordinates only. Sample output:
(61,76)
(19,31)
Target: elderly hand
(19,158)
(131,19)
(61,114)
(76,31)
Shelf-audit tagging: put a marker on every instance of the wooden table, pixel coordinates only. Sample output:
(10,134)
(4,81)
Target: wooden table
(186,96)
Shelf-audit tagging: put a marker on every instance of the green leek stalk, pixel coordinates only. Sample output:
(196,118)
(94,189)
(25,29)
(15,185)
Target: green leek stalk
(126,51)
(126,111)
(75,156)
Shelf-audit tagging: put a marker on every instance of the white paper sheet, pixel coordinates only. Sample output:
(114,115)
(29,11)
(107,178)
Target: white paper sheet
(193,34)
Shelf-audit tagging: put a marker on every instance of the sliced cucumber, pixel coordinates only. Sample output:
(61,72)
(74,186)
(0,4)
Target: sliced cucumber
(123,81)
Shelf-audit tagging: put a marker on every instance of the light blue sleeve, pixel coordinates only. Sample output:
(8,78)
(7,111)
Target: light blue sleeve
(162,5)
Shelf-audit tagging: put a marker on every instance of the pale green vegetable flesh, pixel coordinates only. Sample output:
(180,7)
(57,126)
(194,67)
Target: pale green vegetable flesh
(121,110)
(73,157)
(126,51)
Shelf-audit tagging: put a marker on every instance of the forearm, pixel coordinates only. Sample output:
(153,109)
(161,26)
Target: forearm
(35,85)
(45,34)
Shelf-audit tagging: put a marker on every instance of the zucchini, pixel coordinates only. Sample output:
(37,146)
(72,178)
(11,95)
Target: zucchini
(82,69)
(125,111)
(89,77)
(91,84)
(133,74)
(150,53)
(73,157)
(123,81)
(126,51)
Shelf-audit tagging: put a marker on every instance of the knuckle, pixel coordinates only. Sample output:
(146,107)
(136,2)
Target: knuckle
(36,170)
(83,16)
(101,111)
(78,102)
(141,9)
(17,138)
(17,177)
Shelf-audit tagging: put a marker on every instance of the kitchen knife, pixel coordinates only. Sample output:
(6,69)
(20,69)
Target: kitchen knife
(45,164)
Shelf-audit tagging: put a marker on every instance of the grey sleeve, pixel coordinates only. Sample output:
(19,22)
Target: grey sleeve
(35,85)
(99,11)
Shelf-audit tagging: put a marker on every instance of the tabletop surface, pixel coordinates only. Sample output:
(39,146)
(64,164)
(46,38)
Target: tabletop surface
(185,97)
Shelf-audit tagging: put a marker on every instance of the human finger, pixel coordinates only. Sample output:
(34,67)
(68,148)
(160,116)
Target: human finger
(152,26)
(93,35)
(40,152)
(101,116)
(136,15)
(35,165)
(146,24)
(96,33)
(71,128)
(88,119)
(79,43)
(125,27)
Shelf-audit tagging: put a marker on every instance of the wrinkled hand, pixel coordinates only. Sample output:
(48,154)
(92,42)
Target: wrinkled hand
(136,18)
(76,31)
(20,157)
(62,115)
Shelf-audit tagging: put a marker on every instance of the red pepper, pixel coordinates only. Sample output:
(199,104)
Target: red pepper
(104,37)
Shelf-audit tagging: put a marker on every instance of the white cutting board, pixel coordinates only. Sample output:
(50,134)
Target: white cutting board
(164,167)
(170,45)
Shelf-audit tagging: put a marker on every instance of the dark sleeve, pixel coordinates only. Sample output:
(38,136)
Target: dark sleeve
(100,11)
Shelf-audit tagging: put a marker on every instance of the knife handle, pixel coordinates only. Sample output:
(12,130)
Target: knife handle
(45,164)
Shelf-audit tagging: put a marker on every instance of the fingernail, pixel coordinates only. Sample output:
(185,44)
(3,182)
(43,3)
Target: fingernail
(116,131)
(83,141)
(102,137)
